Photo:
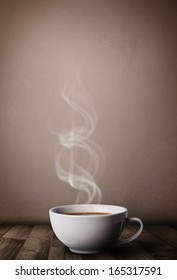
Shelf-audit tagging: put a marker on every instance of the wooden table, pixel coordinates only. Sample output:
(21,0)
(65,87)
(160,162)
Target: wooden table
(27,242)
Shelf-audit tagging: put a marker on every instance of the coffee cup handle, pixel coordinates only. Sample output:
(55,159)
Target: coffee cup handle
(131,238)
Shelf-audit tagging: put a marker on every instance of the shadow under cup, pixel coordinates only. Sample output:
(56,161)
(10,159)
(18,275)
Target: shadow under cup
(90,228)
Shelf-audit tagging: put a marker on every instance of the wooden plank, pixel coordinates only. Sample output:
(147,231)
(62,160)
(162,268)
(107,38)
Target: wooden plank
(68,255)
(63,253)
(165,233)
(89,256)
(153,246)
(27,242)
(9,248)
(102,255)
(34,249)
(37,246)
(42,231)
(58,251)
(56,242)
(20,232)
(4,229)
(173,226)
(130,251)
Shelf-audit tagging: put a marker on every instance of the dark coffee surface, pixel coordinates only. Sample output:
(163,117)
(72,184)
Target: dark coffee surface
(87,213)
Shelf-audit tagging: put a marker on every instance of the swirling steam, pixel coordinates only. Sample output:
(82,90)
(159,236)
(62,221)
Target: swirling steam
(78,160)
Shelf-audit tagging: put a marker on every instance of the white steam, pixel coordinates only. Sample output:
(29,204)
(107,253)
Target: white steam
(78,162)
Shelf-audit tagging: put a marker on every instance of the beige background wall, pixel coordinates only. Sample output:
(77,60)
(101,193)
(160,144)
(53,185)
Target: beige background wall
(125,51)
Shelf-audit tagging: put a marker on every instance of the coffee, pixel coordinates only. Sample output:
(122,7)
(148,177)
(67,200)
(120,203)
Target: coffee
(87,213)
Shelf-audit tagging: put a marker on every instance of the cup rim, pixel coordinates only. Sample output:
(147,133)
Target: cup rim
(64,208)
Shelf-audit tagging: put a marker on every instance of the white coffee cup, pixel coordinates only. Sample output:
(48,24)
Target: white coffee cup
(90,228)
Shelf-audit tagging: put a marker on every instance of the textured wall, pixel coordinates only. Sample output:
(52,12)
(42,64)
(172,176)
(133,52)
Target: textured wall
(125,53)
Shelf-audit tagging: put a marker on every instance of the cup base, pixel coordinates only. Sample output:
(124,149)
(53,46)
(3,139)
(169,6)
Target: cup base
(83,252)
